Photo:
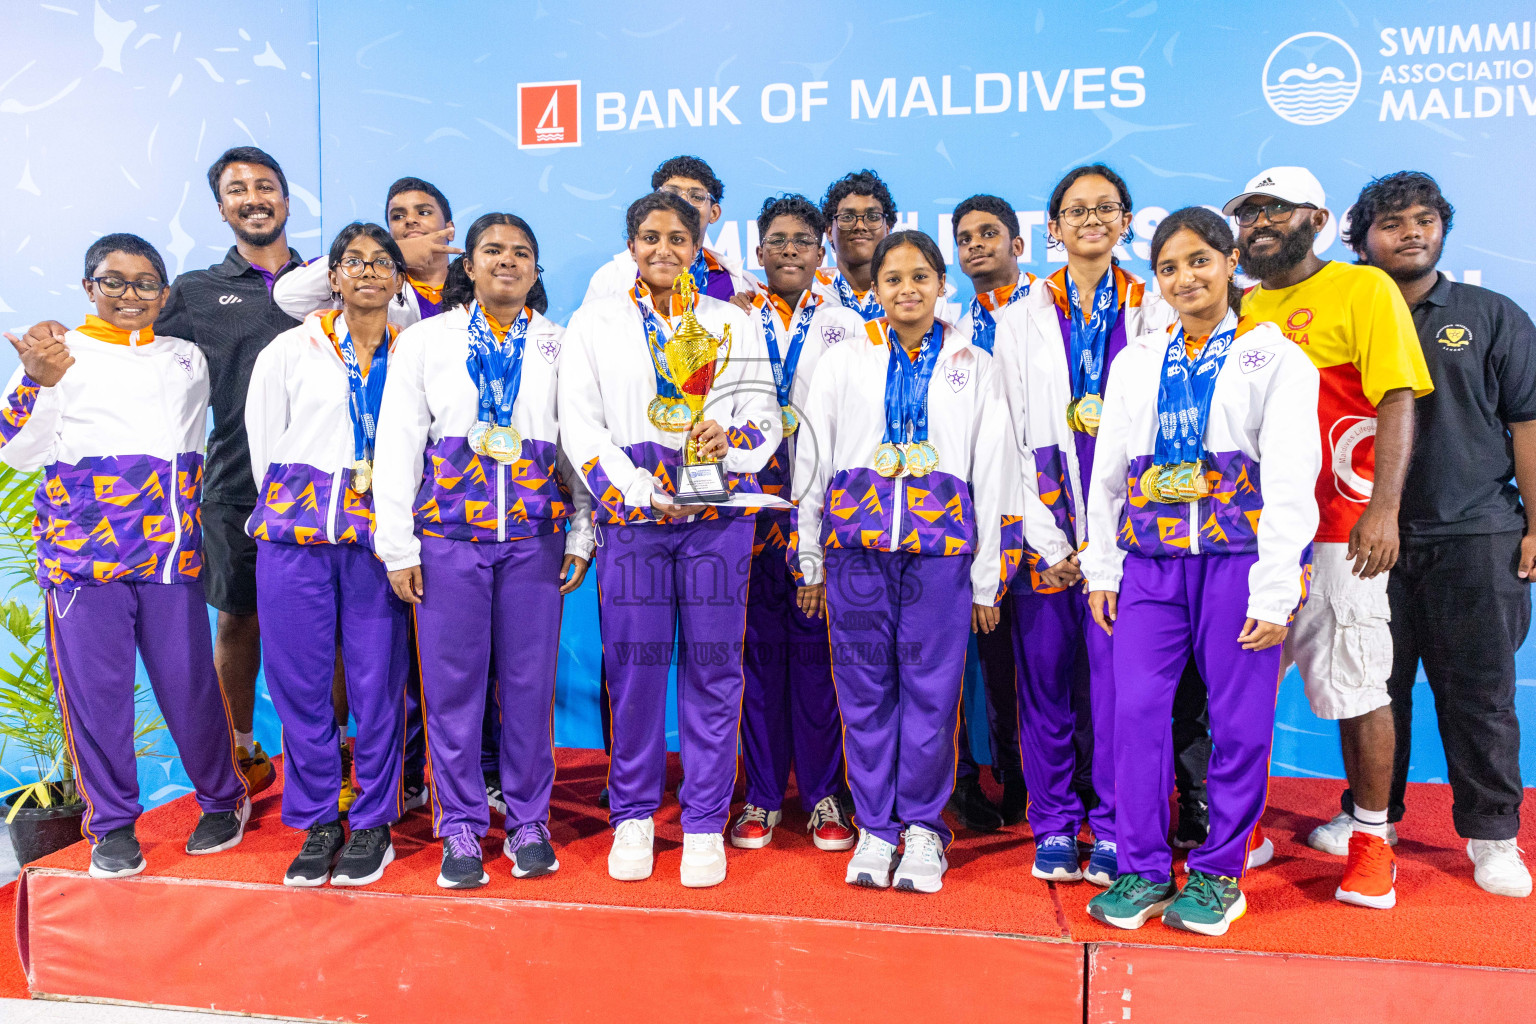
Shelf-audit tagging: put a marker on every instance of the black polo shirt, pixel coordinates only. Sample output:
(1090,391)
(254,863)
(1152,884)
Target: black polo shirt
(1481,351)
(227,311)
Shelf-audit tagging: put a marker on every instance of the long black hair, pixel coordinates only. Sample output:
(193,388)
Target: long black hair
(1059,196)
(459,288)
(1211,228)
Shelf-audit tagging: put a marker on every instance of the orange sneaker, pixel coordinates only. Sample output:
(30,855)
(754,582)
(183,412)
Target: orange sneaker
(257,768)
(1369,874)
(1260,850)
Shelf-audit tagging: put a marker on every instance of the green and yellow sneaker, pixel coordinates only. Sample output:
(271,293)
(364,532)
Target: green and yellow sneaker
(1207,904)
(1132,901)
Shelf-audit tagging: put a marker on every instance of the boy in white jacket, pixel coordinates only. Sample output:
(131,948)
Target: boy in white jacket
(116,418)
(1201,514)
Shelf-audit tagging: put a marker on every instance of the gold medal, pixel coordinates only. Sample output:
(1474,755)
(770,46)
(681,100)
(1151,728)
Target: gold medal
(477,436)
(362,476)
(922,458)
(1189,481)
(1147,483)
(504,444)
(1072,423)
(1090,411)
(791,421)
(656,412)
(889,461)
(679,418)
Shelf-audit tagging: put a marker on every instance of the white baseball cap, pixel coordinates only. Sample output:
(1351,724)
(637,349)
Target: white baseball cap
(1292,184)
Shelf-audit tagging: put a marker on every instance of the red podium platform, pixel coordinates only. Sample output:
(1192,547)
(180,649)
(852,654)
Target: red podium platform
(783,939)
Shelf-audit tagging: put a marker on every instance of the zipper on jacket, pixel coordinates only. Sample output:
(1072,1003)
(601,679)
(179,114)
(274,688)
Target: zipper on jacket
(501,501)
(1194,527)
(172,491)
(898,501)
(331,509)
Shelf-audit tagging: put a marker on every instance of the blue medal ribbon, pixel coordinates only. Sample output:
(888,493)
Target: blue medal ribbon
(700,270)
(655,340)
(906,387)
(496,367)
(784,369)
(869,308)
(1090,336)
(984,325)
(1184,394)
(364,397)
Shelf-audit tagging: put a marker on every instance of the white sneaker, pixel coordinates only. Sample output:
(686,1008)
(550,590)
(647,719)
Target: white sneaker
(630,859)
(1262,854)
(1334,836)
(1499,868)
(922,864)
(703,859)
(871,863)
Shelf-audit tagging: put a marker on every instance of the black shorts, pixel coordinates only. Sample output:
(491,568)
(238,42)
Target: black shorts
(229,558)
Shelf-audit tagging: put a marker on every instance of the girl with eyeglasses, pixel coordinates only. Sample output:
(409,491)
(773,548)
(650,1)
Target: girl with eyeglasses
(1201,518)
(1058,347)
(312,415)
(483,533)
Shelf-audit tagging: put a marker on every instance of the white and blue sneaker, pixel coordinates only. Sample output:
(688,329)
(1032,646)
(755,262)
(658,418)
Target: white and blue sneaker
(872,862)
(1056,860)
(1103,864)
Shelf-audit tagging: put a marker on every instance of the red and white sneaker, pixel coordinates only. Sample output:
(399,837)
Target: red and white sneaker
(829,829)
(754,829)
(1260,849)
(1370,873)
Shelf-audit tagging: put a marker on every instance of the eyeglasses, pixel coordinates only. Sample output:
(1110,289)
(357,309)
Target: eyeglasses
(116,287)
(696,196)
(353,266)
(1077,216)
(848,218)
(1278,211)
(783,243)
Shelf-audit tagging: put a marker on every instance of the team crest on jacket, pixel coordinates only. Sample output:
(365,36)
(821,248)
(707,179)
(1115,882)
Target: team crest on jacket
(832,335)
(549,348)
(958,377)
(1256,359)
(184,361)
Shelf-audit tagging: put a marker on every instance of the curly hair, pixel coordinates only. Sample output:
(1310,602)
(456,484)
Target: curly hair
(1394,193)
(791,204)
(859,183)
(689,167)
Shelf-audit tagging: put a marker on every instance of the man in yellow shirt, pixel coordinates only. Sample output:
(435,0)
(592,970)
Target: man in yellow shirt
(1354,325)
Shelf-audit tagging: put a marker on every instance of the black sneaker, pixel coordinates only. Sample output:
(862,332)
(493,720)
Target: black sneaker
(530,851)
(602,797)
(117,855)
(413,792)
(972,808)
(493,794)
(463,863)
(367,854)
(1015,805)
(313,864)
(1194,826)
(219,831)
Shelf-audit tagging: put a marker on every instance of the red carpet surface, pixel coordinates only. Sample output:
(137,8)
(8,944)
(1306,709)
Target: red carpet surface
(1441,915)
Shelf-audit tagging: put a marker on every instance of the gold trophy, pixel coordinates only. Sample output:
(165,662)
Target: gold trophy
(691,356)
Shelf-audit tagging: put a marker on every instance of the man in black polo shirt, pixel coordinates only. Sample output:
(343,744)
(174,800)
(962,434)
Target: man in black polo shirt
(227,311)
(1458,592)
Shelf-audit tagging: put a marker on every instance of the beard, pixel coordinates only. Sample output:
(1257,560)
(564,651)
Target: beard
(1294,246)
(260,239)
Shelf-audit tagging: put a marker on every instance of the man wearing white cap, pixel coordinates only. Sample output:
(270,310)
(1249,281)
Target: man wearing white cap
(1353,323)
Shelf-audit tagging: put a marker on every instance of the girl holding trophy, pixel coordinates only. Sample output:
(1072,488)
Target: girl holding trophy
(1201,515)
(903,478)
(663,388)
(483,536)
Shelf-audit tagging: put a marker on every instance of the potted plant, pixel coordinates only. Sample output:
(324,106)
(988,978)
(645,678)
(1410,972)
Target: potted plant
(43,810)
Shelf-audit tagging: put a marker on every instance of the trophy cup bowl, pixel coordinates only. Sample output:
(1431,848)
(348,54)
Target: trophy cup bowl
(693,361)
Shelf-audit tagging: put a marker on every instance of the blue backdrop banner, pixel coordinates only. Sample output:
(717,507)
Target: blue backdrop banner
(110,113)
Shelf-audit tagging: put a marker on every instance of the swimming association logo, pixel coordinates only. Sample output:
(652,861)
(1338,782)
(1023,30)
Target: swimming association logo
(1311,78)
(548,114)
(1454,336)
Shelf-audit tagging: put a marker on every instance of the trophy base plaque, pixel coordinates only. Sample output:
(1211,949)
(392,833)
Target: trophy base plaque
(702,481)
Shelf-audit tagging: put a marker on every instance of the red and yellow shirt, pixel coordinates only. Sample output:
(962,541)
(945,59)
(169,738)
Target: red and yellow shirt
(1354,325)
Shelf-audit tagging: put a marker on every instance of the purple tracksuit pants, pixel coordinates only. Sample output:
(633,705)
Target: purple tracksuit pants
(479,601)
(900,624)
(790,710)
(1056,646)
(674,588)
(308,595)
(92,635)
(1169,607)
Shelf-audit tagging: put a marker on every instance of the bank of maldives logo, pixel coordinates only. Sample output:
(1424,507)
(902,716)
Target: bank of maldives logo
(1311,78)
(548,114)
